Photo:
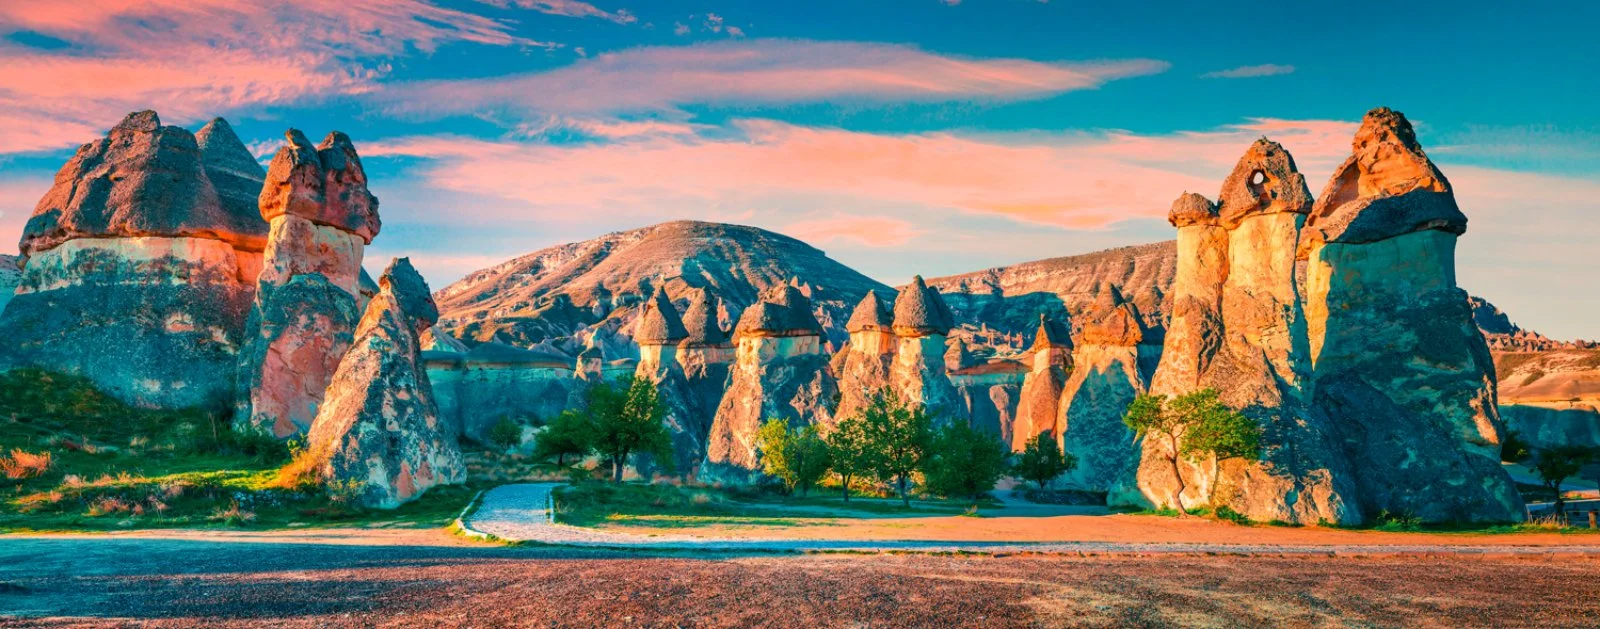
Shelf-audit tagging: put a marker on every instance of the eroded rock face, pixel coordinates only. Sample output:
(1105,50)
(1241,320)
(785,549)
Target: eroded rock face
(780,372)
(1039,401)
(1106,376)
(1252,350)
(137,274)
(1399,364)
(922,322)
(706,356)
(378,426)
(321,217)
(863,366)
(659,330)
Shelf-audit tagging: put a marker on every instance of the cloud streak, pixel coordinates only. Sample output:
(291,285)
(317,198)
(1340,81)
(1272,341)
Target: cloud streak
(567,8)
(1250,72)
(763,71)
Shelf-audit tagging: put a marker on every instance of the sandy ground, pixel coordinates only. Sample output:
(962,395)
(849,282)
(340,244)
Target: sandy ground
(427,578)
(518,512)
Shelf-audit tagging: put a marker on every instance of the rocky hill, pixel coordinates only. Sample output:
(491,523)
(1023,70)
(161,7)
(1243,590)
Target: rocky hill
(587,289)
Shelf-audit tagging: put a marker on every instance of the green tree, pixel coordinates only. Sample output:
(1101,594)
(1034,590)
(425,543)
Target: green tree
(898,436)
(571,434)
(627,421)
(964,462)
(1042,461)
(848,453)
(1555,465)
(1513,449)
(798,457)
(1193,426)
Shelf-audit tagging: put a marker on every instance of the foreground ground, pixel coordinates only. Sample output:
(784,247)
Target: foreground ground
(428,578)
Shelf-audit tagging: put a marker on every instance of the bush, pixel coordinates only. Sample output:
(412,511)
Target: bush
(506,433)
(964,462)
(797,457)
(22,464)
(1396,521)
(1227,513)
(1042,460)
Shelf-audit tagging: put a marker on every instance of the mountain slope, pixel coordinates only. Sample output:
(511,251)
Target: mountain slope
(590,286)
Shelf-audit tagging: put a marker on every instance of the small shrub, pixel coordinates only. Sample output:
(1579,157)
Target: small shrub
(234,515)
(506,433)
(1227,513)
(109,505)
(22,464)
(1397,521)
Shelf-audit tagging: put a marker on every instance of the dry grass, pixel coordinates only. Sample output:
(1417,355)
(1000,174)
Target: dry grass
(22,464)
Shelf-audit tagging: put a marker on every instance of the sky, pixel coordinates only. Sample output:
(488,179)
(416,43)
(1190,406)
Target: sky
(900,136)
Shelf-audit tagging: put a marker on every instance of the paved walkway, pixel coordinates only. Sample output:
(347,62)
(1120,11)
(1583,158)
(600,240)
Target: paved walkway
(522,513)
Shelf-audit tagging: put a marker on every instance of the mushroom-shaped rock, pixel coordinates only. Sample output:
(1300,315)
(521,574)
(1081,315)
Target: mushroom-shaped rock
(1387,187)
(1264,181)
(1192,209)
(920,311)
(142,179)
(659,323)
(378,427)
(1051,334)
(870,315)
(702,323)
(783,311)
(1113,321)
(324,184)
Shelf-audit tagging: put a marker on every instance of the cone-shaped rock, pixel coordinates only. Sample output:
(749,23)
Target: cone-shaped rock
(1399,364)
(1039,406)
(863,367)
(658,331)
(1106,376)
(378,426)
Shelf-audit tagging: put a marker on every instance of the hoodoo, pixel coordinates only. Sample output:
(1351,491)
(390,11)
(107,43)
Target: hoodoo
(1039,407)
(658,331)
(922,322)
(863,367)
(1398,363)
(321,217)
(138,269)
(1106,376)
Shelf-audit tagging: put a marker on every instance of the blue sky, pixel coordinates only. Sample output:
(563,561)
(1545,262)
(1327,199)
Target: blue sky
(914,136)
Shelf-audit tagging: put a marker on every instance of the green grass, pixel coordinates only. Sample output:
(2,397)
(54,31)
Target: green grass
(670,506)
(116,467)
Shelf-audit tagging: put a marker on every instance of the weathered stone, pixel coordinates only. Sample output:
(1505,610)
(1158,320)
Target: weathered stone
(1260,364)
(378,426)
(919,312)
(309,290)
(705,356)
(863,366)
(1106,376)
(990,393)
(1399,363)
(917,374)
(1039,403)
(136,275)
(659,330)
(780,372)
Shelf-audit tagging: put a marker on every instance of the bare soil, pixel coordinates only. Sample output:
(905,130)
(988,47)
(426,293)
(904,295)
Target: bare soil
(428,578)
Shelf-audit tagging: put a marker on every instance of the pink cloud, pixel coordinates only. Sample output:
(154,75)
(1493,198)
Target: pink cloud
(757,71)
(1249,72)
(191,59)
(871,231)
(608,128)
(568,8)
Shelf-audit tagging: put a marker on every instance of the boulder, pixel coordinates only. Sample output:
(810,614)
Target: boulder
(136,273)
(780,372)
(1245,337)
(1399,363)
(1106,376)
(308,294)
(378,430)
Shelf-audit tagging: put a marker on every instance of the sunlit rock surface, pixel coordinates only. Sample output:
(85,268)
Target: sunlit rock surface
(1039,401)
(137,273)
(1111,366)
(378,428)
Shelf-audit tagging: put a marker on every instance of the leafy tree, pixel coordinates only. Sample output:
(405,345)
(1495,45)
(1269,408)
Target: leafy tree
(1193,425)
(798,457)
(571,434)
(1042,460)
(848,453)
(964,461)
(627,421)
(505,433)
(898,437)
(1556,465)
(1513,449)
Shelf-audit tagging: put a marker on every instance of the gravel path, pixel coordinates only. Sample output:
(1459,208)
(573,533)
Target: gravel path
(522,513)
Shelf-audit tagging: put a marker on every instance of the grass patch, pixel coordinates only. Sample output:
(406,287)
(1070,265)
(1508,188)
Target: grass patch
(75,459)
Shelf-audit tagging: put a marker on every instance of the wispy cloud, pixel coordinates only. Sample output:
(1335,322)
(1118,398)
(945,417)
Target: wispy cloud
(568,8)
(195,58)
(871,231)
(1249,72)
(757,72)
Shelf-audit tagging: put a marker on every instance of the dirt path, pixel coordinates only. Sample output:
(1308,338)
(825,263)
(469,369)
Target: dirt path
(521,513)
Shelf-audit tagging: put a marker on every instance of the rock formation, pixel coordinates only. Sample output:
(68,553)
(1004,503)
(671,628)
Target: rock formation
(378,427)
(780,373)
(1039,403)
(1399,364)
(921,324)
(705,355)
(1551,398)
(863,366)
(321,216)
(10,277)
(1108,372)
(137,271)
(492,382)
(658,331)
(1252,350)
(989,394)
